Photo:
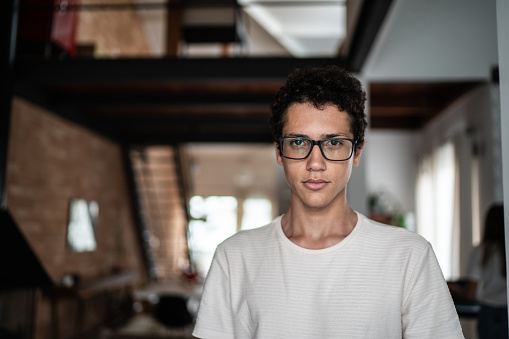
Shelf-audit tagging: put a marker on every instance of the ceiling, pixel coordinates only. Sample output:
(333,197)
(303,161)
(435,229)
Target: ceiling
(410,106)
(304,28)
(172,100)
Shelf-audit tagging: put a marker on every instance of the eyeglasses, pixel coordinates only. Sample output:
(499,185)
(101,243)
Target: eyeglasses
(334,149)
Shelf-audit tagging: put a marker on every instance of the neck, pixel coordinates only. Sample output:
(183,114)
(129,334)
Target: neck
(317,228)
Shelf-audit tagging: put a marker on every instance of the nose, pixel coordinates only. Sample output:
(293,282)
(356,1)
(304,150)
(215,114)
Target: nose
(316,161)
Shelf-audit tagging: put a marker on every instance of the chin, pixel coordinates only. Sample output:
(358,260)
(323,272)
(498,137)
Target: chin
(317,203)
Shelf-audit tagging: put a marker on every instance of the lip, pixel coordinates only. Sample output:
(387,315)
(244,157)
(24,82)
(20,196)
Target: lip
(315,184)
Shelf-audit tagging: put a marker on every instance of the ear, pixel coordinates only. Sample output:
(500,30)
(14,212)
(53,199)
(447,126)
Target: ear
(278,154)
(357,157)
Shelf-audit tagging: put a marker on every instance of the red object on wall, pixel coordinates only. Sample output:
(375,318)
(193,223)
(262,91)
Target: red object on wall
(41,23)
(63,32)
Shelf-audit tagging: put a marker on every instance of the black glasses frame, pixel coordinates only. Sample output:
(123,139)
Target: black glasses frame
(313,143)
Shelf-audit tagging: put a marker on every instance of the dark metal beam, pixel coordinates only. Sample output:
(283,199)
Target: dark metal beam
(189,131)
(370,20)
(82,101)
(9,23)
(150,71)
(50,78)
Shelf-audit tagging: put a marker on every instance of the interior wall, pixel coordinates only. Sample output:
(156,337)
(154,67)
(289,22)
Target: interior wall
(154,25)
(392,165)
(472,117)
(51,161)
(435,39)
(260,43)
(115,33)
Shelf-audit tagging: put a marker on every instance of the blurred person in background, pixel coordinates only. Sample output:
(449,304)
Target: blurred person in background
(486,278)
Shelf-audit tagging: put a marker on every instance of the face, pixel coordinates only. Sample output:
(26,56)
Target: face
(316,182)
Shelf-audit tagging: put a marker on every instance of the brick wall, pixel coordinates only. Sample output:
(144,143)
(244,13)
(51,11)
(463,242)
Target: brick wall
(113,32)
(50,161)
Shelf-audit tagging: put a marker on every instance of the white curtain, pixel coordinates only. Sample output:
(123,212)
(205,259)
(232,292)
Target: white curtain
(435,203)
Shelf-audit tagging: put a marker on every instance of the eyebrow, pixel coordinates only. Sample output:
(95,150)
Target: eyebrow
(324,136)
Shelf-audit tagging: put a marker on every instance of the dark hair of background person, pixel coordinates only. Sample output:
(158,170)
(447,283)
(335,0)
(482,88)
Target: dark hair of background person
(321,87)
(493,239)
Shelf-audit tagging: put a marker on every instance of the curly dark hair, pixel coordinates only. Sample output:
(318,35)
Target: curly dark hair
(321,86)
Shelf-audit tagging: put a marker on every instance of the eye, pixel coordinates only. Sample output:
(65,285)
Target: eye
(335,142)
(297,142)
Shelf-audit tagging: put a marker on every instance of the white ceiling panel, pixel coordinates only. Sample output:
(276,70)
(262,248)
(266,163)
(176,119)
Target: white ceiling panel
(305,29)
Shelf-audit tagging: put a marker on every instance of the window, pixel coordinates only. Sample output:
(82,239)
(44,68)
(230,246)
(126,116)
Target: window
(215,219)
(256,213)
(435,203)
(82,225)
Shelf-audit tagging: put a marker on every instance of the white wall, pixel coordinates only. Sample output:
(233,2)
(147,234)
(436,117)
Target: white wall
(435,39)
(469,118)
(356,192)
(391,160)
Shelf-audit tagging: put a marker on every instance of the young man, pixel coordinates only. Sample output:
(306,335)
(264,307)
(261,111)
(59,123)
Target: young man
(323,270)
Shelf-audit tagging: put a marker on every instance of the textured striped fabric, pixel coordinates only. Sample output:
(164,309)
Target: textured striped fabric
(379,282)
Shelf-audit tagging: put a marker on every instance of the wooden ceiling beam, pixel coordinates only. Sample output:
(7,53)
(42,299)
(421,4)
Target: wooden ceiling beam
(402,111)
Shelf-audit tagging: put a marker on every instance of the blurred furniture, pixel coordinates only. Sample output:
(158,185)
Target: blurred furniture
(172,311)
(466,308)
(120,283)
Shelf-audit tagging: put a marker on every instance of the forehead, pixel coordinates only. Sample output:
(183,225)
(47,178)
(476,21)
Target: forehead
(306,119)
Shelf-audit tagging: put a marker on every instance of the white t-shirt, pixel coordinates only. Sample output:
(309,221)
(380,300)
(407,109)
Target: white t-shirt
(492,289)
(379,282)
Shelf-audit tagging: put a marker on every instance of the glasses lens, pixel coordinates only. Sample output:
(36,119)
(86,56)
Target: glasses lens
(333,149)
(337,149)
(296,148)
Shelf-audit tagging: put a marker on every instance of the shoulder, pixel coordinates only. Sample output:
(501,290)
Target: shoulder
(249,239)
(389,235)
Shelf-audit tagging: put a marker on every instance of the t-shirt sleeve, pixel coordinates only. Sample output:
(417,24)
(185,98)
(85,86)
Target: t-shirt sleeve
(214,318)
(428,310)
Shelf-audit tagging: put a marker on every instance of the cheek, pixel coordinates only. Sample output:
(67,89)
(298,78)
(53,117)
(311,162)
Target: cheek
(344,172)
(288,173)
(289,180)
(348,173)
(291,172)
